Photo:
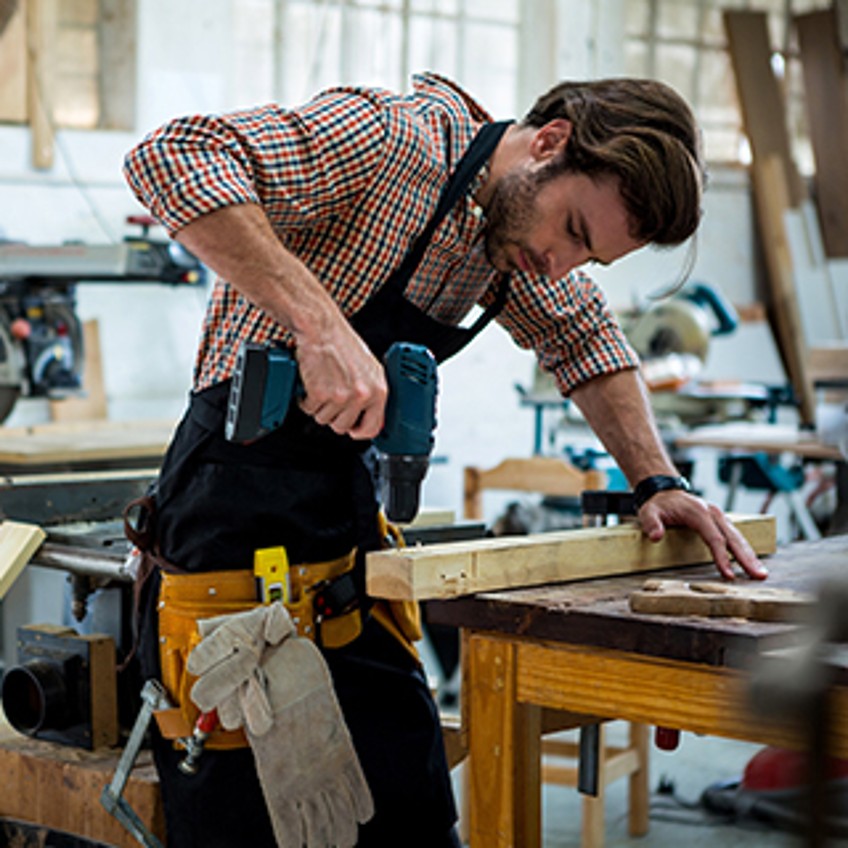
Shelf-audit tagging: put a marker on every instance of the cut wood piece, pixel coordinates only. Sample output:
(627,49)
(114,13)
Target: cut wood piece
(829,362)
(463,568)
(720,600)
(18,542)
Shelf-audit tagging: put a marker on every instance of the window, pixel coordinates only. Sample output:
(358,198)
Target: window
(71,64)
(683,43)
(289,49)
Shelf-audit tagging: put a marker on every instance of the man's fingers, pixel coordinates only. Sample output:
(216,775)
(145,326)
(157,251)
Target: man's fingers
(738,545)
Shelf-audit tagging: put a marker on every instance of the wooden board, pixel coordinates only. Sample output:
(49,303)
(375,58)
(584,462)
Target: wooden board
(74,442)
(760,95)
(13,69)
(461,568)
(720,600)
(18,542)
(827,113)
(92,405)
(829,362)
(59,787)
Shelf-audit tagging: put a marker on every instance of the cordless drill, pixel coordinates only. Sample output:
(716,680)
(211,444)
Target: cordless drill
(266,382)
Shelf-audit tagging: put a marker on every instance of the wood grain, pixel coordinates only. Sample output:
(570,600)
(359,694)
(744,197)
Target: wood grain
(461,568)
(18,543)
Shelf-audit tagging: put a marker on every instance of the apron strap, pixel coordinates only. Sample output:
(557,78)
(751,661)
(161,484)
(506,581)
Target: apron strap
(477,154)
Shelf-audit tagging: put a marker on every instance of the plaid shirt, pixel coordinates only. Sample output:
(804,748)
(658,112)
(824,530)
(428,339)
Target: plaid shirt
(347,181)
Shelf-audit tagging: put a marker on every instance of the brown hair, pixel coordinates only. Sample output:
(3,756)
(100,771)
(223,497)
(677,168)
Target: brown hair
(642,132)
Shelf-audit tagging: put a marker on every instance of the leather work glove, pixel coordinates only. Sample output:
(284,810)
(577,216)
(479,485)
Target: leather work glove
(226,662)
(310,775)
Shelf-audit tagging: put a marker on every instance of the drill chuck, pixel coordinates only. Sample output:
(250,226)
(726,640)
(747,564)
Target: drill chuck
(400,480)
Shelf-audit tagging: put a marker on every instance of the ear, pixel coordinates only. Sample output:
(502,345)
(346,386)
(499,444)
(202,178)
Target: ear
(550,139)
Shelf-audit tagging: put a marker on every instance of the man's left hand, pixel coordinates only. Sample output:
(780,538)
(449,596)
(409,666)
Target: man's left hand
(681,509)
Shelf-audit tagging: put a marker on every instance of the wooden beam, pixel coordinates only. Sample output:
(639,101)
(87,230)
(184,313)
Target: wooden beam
(13,66)
(18,543)
(463,568)
(771,199)
(826,100)
(41,26)
(760,96)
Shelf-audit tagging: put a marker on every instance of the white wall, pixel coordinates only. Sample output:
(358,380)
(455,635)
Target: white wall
(148,332)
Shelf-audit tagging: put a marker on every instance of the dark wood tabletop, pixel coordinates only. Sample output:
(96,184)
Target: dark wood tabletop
(596,612)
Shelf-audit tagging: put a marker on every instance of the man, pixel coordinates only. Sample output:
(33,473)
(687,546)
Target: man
(360,219)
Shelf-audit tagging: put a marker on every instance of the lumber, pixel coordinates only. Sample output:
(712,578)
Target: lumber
(18,543)
(720,600)
(827,109)
(462,568)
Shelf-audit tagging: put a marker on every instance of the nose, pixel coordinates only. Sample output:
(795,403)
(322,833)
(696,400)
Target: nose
(564,258)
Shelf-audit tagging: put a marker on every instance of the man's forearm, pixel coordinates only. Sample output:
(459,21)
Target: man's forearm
(345,385)
(617,408)
(238,243)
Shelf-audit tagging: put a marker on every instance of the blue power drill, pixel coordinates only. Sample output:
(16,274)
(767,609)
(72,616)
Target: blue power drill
(266,381)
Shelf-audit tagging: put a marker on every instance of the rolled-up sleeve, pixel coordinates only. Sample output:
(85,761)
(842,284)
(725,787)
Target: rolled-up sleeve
(570,326)
(296,165)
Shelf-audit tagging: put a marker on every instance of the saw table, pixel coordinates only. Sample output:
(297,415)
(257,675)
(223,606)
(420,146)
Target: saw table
(577,647)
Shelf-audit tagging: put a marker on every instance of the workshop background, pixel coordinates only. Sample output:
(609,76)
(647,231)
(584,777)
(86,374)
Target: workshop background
(81,81)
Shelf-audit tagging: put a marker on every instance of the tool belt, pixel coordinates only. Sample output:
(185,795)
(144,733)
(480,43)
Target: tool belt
(323,607)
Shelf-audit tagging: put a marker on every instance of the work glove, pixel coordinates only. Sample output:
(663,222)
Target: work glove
(226,661)
(310,775)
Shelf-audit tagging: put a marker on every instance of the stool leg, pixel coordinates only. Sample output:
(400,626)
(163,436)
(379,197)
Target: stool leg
(638,789)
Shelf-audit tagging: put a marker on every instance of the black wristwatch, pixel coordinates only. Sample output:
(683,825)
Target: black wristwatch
(647,488)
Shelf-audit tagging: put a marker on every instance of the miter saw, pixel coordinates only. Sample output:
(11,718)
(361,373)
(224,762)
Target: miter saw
(41,348)
(673,338)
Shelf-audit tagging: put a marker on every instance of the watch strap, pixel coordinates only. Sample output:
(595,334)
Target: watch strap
(648,487)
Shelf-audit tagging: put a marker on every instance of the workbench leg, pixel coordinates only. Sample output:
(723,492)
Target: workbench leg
(505,751)
(639,788)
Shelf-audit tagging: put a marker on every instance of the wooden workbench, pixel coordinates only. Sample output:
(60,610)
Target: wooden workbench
(577,647)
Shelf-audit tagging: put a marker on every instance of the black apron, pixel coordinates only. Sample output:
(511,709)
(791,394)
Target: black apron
(307,488)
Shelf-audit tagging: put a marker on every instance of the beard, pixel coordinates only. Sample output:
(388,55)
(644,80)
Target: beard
(510,216)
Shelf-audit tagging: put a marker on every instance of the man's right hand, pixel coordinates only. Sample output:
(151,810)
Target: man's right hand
(345,384)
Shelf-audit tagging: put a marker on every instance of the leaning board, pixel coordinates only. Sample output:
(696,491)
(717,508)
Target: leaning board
(462,568)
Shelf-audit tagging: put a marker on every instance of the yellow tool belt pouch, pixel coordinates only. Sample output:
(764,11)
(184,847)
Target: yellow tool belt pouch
(183,600)
(186,598)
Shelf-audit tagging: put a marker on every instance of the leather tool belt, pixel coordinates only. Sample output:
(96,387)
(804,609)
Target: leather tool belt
(320,610)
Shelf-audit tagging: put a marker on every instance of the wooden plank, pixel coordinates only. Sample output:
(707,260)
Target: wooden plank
(666,693)
(81,441)
(92,405)
(59,787)
(721,600)
(829,362)
(461,568)
(760,96)
(18,542)
(771,200)
(41,26)
(826,100)
(13,87)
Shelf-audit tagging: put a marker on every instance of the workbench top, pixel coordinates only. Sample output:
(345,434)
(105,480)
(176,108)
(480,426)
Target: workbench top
(596,612)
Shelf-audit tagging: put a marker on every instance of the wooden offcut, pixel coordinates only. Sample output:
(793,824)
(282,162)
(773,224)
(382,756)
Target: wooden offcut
(462,568)
(720,600)
(18,543)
